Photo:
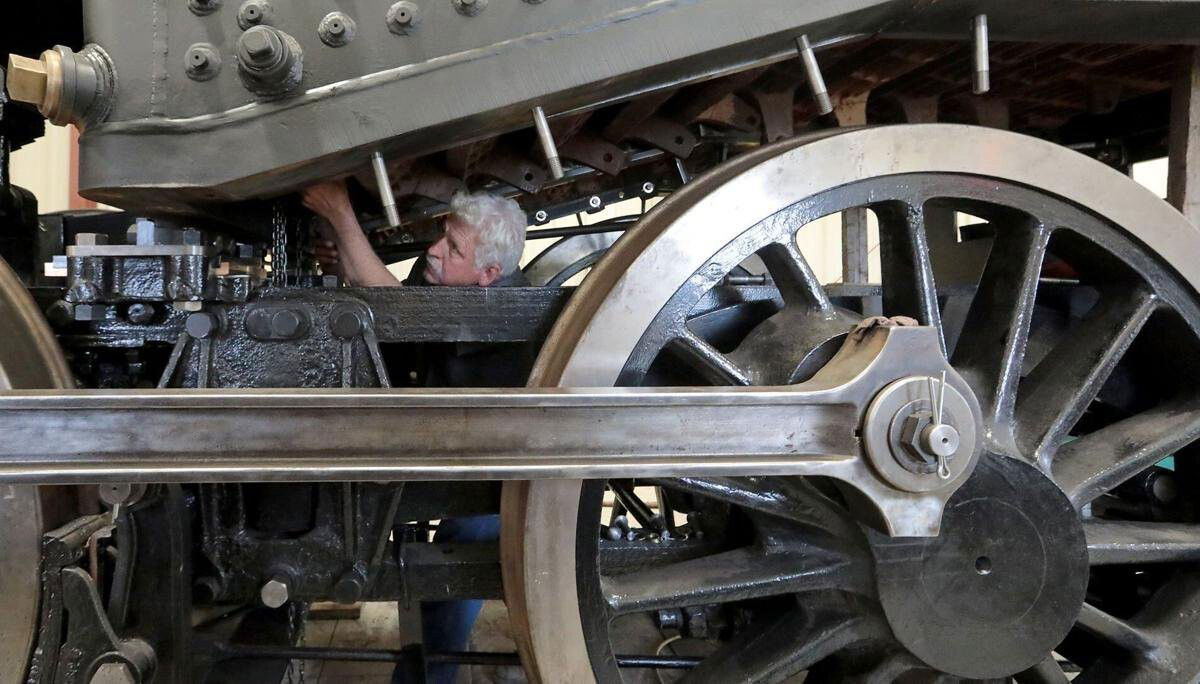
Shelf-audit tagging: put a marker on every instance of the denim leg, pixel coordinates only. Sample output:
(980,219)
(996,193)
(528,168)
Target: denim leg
(446,625)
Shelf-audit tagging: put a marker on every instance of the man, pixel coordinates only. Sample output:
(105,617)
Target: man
(481,246)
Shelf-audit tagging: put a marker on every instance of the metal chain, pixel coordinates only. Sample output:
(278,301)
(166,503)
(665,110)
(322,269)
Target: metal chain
(279,238)
(297,613)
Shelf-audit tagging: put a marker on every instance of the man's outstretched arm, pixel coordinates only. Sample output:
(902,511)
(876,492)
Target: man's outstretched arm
(360,265)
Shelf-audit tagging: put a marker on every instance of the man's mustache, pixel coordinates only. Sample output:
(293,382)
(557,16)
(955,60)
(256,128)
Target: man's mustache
(434,265)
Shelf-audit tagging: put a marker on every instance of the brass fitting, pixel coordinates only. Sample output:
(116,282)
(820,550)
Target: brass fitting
(66,87)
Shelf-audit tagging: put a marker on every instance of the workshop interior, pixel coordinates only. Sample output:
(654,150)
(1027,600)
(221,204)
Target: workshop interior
(614,341)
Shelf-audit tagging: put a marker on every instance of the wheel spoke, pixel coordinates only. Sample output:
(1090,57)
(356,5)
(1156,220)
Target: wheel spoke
(780,648)
(908,287)
(1115,631)
(701,356)
(788,498)
(794,278)
(991,348)
(1112,542)
(729,576)
(1096,463)
(1046,672)
(1059,390)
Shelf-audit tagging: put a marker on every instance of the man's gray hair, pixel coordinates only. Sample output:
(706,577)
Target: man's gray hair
(499,225)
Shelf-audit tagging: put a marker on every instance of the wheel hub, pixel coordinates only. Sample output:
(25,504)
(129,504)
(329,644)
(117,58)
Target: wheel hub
(1002,584)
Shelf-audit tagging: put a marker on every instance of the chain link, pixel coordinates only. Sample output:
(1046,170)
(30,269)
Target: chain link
(279,237)
(297,614)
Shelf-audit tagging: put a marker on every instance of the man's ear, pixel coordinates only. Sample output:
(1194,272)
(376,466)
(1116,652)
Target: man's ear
(489,275)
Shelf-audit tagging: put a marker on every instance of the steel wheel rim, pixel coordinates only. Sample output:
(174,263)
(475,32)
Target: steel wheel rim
(583,349)
(30,358)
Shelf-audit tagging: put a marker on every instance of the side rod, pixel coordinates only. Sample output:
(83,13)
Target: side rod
(359,434)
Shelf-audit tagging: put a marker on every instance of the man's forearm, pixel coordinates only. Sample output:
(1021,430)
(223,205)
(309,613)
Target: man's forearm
(360,264)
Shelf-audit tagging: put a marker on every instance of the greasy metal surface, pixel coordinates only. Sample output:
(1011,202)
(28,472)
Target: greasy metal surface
(344,108)
(29,358)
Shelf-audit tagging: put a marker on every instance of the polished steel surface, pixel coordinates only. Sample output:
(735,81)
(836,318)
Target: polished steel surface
(92,436)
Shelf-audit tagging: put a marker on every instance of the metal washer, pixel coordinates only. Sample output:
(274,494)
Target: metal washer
(878,432)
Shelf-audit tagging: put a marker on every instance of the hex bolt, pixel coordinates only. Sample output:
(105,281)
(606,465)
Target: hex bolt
(813,71)
(647,188)
(201,325)
(541,216)
(345,324)
(274,592)
(547,140)
(594,202)
(260,46)
(403,16)
(286,323)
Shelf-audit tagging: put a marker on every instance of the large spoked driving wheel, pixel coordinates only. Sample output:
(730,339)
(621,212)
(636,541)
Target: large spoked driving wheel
(1075,544)
(30,358)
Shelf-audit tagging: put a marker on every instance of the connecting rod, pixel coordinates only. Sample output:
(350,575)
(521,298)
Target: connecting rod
(819,427)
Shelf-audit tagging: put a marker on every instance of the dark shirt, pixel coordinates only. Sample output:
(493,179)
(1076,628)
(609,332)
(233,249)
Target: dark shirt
(475,364)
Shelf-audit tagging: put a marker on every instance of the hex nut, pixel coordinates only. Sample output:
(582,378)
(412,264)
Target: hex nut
(469,7)
(336,29)
(274,592)
(91,239)
(270,62)
(913,457)
(201,62)
(255,13)
(403,16)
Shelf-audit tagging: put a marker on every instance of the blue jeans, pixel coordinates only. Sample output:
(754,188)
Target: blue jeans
(446,625)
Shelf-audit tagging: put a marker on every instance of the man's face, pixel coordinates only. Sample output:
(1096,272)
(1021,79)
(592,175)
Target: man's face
(451,260)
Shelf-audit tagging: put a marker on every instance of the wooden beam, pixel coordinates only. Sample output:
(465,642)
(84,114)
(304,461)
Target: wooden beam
(1183,175)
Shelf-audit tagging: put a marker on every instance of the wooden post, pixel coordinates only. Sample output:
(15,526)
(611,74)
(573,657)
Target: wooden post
(1183,161)
(852,111)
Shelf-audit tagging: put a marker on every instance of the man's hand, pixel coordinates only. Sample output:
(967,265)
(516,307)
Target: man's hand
(326,253)
(330,201)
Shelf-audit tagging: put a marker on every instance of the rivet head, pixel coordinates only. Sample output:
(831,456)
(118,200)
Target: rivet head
(336,29)
(403,16)
(201,62)
(469,7)
(254,13)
